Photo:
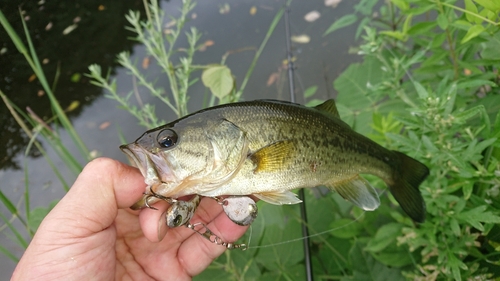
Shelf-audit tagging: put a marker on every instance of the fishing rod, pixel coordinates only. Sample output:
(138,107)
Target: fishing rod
(303,214)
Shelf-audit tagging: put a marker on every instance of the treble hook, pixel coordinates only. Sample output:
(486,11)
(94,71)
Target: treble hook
(204,231)
(159,196)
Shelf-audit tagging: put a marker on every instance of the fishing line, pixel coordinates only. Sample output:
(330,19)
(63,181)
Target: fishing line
(303,238)
(249,237)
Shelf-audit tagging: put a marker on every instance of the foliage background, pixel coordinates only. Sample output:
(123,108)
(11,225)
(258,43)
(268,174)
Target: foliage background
(427,86)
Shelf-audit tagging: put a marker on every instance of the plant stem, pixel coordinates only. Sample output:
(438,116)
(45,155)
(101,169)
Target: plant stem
(270,31)
(449,39)
(28,132)
(468,12)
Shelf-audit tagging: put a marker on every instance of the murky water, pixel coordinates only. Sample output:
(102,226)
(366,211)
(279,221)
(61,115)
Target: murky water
(99,36)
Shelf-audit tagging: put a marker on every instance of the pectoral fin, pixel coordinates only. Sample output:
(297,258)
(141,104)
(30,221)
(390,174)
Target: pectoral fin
(272,157)
(279,197)
(359,192)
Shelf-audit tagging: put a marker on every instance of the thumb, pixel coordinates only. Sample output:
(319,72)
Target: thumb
(92,203)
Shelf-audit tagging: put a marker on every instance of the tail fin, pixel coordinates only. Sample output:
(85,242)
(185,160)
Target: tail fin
(405,187)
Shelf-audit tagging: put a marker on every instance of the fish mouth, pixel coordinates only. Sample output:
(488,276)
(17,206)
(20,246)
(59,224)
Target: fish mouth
(134,159)
(140,159)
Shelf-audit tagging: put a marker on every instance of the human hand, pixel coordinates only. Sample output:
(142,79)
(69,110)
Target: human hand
(91,234)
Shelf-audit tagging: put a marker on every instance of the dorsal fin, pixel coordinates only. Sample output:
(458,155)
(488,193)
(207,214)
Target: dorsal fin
(329,107)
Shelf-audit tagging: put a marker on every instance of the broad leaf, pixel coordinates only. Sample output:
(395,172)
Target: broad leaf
(491,5)
(366,268)
(472,33)
(385,236)
(355,106)
(218,79)
(309,92)
(342,22)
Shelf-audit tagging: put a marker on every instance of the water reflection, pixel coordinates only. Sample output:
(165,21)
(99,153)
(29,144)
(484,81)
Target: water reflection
(68,36)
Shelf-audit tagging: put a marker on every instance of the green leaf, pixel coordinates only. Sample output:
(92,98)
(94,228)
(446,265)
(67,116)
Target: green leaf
(397,258)
(473,32)
(493,6)
(462,24)
(471,7)
(361,27)
(463,116)
(429,144)
(407,24)
(8,254)
(450,99)
(218,79)
(442,21)
(455,265)
(400,139)
(455,227)
(422,28)
(421,91)
(8,204)
(438,40)
(496,126)
(467,190)
(475,83)
(309,92)
(478,215)
(213,273)
(19,239)
(314,102)
(352,86)
(275,255)
(488,14)
(385,236)
(76,77)
(403,5)
(345,228)
(422,8)
(395,34)
(491,50)
(38,214)
(342,22)
(365,7)
(483,145)
(366,268)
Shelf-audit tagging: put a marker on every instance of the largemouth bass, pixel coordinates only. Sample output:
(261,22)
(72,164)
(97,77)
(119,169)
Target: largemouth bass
(266,148)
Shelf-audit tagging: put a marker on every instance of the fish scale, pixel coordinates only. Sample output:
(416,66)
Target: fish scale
(266,148)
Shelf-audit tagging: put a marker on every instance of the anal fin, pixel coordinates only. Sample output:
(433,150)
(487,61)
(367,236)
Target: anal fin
(279,197)
(359,191)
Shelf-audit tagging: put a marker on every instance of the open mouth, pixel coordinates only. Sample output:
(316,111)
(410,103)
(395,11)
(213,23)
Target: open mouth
(138,158)
(154,168)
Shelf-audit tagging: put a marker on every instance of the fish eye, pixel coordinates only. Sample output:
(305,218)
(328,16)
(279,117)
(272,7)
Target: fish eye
(167,138)
(178,220)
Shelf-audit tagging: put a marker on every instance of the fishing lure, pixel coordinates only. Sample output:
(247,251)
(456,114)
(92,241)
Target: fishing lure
(242,210)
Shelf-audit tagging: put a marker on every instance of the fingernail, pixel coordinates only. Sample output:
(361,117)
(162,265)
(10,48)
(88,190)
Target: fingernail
(162,227)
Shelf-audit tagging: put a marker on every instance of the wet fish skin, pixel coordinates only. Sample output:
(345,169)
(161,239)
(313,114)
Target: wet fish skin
(267,148)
